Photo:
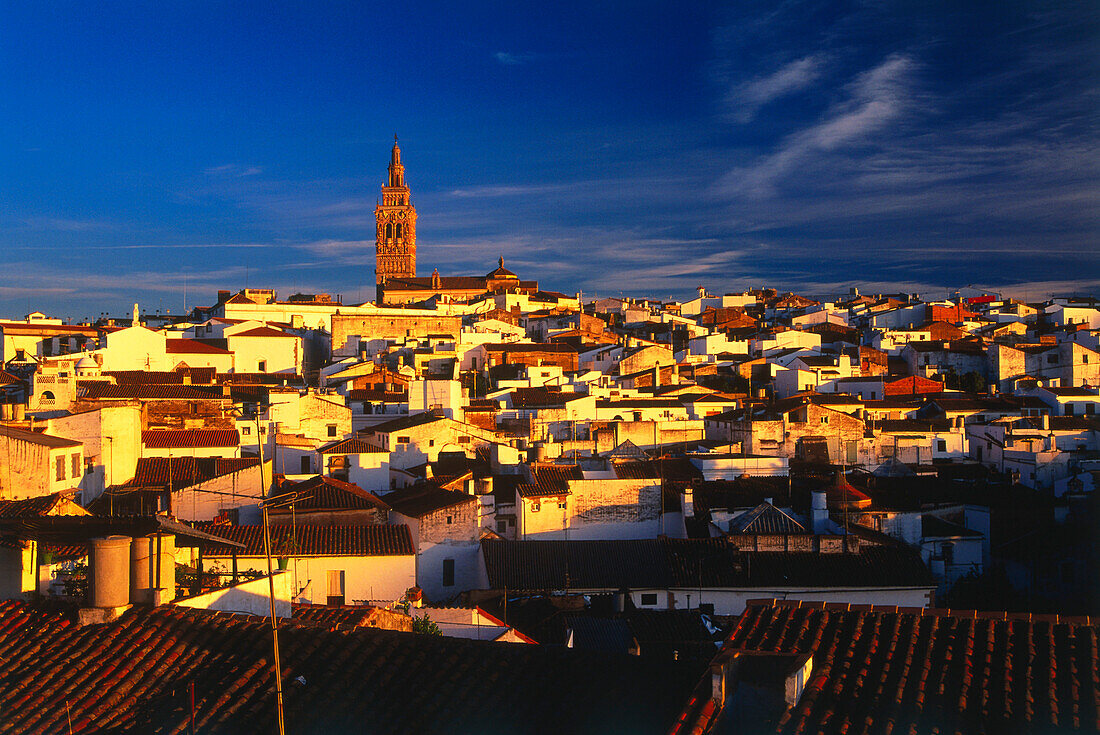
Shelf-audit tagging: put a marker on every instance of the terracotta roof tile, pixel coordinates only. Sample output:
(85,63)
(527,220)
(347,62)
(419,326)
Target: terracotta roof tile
(882,670)
(307,540)
(185,471)
(190,438)
(327,493)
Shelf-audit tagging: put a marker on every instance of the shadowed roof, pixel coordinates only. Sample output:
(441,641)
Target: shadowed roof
(136,674)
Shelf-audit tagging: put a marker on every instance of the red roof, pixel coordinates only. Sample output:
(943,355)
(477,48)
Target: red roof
(883,669)
(262,332)
(185,471)
(350,446)
(913,385)
(326,493)
(190,438)
(136,674)
(192,347)
(307,540)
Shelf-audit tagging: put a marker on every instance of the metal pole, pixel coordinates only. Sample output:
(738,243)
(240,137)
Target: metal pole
(270,583)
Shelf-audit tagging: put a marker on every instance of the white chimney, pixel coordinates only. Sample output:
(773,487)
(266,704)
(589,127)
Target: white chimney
(689,503)
(819,512)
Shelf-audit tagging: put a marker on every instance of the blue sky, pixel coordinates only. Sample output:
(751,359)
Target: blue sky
(645,148)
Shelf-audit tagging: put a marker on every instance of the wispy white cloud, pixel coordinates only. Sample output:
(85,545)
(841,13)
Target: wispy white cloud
(746,99)
(874,99)
(508,58)
(233,170)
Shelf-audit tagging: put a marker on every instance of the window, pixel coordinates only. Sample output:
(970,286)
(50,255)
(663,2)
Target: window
(306,465)
(1070,409)
(450,519)
(502,526)
(431,442)
(335,586)
(261,366)
(649,598)
(76,465)
(948,553)
(331,429)
(1052,359)
(246,430)
(463,440)
(535,507)
(561,504)
(60,468)
(89,466)
(1090,409)
(448,572)
(824,419)
(402,440)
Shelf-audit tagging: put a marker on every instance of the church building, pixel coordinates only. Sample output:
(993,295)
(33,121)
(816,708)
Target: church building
(395,216)
(395,254)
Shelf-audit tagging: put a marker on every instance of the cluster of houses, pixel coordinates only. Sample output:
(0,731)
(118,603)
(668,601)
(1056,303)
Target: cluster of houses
(627,476)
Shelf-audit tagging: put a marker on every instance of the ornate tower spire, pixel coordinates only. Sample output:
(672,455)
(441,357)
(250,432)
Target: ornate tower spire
(395,216)
(397,171)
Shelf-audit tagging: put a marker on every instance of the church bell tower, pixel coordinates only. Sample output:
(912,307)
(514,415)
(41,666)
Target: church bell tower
(395,216)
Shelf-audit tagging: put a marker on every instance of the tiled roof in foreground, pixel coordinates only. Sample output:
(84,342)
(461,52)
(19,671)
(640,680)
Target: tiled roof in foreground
(134,675)
(885,669)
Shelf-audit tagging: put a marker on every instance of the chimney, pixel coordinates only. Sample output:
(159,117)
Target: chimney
(620,600)
(108,580)
(153,569)
(688,503)
(819,512)
(718,676)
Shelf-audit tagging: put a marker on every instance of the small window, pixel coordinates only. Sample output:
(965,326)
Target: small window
(60,467)
(649,598)
(502,526)
(89,465)
(941,445)
(1052,359)
(824,419)
(562,505)
(448,572)
(431,442)
(261,366)
(332,429)
(535,507)
(402,440)
(1070,409)
(76,465)
(948,552)
(335,579)
(246,430)
(306,466)
(450,519)
(463,440)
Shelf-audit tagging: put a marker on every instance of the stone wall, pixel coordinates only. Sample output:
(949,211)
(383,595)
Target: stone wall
(386,326)
(434,527)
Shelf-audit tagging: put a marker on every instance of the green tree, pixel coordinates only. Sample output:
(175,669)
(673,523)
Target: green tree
(425,625)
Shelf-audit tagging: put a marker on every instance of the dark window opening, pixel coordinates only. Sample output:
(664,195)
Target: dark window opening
(448,572)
